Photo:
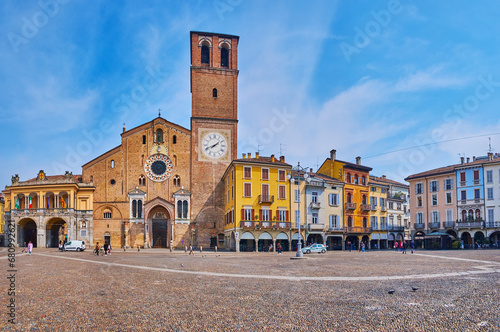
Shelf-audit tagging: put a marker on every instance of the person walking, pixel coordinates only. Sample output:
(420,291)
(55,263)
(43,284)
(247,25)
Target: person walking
(24,247)
(403,247)
(396,245)
(106,245)
(412,246)
(97,248)
(30,248)
(109,249)
(349,245)
(191,252)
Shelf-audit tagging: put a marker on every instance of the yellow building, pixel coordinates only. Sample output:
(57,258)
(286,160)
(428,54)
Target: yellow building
(257,203)
(49,209)
(356,195)
(378,214)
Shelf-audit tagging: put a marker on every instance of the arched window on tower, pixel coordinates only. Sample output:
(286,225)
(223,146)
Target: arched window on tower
(177,181)
(175,160)
(107,214)
(143,139)
(112,164)
(214,93)
(142,180)
(159,136)
(224,56)
(174,139)
(205,54)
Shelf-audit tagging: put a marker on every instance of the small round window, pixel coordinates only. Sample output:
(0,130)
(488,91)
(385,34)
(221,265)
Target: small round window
(112,181)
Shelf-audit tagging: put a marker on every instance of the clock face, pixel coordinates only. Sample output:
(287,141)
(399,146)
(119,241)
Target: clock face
(158,167)
(214,145)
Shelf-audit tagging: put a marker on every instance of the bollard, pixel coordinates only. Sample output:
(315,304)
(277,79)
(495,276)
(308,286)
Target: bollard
(201,249)
(215,249)
(138,248)
(185,248)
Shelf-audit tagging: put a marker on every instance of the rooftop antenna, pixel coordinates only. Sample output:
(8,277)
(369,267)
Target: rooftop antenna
(258,148)
(317,164)
(489,144)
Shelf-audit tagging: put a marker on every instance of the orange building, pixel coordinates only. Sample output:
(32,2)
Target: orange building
(356,197)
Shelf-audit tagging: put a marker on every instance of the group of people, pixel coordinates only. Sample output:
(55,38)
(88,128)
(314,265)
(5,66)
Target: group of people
(403,245)
(106,247)
(279,248)
(28,248)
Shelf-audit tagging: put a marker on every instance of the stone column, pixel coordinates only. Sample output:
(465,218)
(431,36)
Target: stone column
(41,233)
(237,248)
(256,245)
(274,245)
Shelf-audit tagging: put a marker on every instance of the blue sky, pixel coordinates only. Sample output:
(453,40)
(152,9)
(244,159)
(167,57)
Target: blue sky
(362,77)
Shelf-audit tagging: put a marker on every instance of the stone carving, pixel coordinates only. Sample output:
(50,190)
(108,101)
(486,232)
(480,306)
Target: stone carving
(15,179)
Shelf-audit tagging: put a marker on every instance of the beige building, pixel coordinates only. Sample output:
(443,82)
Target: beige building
(49,209)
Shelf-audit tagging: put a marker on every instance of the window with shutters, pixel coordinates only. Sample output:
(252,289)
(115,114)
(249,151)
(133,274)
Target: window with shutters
(247,214)
(282,192)
(333,199)
(297,195)
(490,193)
(449,215)
(247,190)
(265,174)
(281,175)
(448,184)
(282,215)
(247,172)
(265,215)
(314,218)
(434,186)
(434,199)
(418,188)
(448,198)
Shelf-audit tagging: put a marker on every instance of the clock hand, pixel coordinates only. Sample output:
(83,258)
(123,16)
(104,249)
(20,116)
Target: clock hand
(213,146)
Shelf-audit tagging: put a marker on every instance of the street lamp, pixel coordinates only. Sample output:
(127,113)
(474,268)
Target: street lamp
(308,179)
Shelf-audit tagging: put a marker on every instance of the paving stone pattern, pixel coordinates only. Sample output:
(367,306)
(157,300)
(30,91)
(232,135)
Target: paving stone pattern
(126,292)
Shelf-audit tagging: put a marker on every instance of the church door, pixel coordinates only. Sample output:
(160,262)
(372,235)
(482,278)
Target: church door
(160,230)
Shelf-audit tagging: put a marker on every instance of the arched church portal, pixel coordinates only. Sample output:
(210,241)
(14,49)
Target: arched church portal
(159,221)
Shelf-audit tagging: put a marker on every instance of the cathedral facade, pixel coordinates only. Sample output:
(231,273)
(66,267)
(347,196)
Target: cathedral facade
(162,186)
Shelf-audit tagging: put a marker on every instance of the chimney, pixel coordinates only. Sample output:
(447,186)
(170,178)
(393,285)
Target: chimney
(383,176)
(272,158)
(333,154)
(244,155)
(123,127)
(468,160)
(282,159)
(358,160)
(256,155)
(490,156)
(249,155)
(310,170)
(473,158)
(462,160)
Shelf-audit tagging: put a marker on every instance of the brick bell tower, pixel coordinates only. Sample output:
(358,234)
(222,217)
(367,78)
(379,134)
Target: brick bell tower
(214,121)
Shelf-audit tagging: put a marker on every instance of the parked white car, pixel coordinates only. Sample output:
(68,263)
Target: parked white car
(75,245)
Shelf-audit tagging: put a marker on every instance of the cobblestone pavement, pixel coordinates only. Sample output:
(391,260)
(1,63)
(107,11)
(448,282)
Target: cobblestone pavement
(155,290)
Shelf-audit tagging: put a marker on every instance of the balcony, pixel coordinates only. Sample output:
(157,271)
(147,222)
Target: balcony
(249,224)
(420,226)
(493,224)
(448,224)
(266,224)
(266,199)
(470,224)
(315,205)
(474,201)
(463,183)
(476,181)
(315,227)
(365,207)
(336,229)
(350,206)
(395,228)
(314,183)
(358,229)
(383,208)
(434,225)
